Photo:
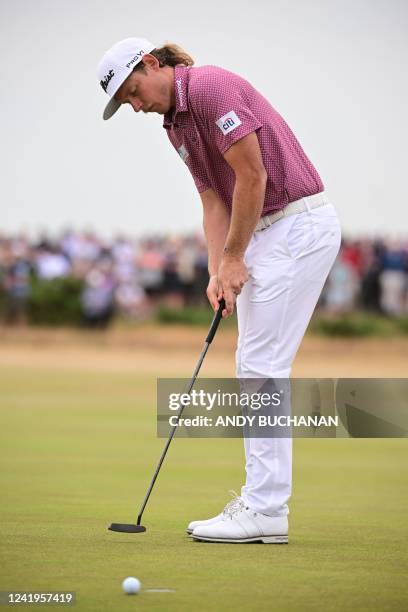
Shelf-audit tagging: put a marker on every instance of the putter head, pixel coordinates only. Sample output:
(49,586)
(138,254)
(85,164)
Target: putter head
(126,528)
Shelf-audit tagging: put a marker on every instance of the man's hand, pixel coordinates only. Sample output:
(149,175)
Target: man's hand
(213,292)
(232,276)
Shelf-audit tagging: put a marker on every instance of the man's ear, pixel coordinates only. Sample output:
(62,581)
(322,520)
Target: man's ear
(150,61)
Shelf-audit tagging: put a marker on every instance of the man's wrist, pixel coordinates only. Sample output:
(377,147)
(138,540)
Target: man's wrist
(231,253)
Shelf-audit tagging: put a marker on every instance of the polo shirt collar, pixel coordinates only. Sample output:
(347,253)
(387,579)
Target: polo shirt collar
(181,76)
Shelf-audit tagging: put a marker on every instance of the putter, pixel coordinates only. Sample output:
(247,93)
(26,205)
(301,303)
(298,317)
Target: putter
(138,528)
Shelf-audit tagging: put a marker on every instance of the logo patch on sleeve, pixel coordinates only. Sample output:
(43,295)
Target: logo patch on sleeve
(182,151)
(228,122)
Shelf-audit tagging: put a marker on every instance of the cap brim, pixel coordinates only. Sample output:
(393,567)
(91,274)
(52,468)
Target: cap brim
(111,108)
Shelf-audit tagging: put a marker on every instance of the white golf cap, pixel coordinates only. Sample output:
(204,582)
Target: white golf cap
(117,64)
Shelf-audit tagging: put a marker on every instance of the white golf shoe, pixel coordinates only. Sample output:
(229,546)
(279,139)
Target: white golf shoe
(236,502)
(240,524)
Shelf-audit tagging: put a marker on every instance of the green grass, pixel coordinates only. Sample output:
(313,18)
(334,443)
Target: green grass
(358,324)
(190,316)
(78,450)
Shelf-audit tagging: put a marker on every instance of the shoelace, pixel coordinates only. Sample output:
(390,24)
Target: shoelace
(235,505)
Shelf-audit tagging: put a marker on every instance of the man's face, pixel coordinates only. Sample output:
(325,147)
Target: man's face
(148,90)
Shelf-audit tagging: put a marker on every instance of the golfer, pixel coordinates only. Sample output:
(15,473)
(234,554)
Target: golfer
(272,237)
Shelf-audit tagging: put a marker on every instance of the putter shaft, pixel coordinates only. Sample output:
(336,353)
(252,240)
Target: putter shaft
(214,326)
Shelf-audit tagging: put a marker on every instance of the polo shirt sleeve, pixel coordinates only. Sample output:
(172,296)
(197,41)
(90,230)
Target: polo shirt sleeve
(222,104)
(200,184)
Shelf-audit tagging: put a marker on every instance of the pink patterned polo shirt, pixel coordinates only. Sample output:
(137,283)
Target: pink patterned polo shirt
(214,109)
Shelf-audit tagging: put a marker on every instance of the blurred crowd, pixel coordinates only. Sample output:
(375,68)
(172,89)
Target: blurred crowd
(122,276)
(131,277)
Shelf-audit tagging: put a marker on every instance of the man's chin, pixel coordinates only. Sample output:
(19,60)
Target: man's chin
(155,108)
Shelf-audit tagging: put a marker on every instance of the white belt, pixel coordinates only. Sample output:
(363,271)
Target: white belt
(299,206)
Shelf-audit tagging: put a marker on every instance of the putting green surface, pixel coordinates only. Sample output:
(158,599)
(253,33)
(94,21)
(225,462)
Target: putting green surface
(78,449)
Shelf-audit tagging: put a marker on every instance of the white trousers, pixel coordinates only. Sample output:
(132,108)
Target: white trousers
(288,264)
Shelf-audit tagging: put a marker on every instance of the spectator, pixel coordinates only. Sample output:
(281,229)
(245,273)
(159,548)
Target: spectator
(97,298)
(17,288)
(51,263)
(393,281)
(341,287)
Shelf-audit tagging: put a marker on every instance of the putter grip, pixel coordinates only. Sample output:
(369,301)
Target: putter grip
(215,322)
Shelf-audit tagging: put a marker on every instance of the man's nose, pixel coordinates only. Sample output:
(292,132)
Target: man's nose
(137,105)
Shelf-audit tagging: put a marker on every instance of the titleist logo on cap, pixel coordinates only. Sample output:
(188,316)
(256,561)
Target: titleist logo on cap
(106,79)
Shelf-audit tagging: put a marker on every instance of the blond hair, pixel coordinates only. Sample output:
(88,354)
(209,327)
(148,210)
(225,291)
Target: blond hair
(169,55)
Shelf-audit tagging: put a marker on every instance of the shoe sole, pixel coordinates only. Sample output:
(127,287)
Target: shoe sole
(189,531)
(278,539)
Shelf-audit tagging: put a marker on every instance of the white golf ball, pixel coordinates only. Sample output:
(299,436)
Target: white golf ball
(131,585)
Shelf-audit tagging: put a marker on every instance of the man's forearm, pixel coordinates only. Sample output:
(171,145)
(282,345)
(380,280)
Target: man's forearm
(248,201)
(216,223)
